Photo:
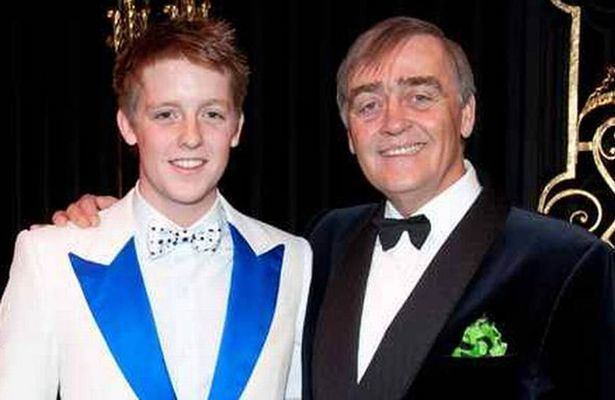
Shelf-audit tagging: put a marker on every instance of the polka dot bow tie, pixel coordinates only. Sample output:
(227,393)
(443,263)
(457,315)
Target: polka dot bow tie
(162,239)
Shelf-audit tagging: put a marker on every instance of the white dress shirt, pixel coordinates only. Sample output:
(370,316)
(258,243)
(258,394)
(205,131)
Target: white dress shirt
(188,293)
(394,273)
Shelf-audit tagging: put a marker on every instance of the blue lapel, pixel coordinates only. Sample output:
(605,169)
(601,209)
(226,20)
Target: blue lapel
(251,305)
(117,298)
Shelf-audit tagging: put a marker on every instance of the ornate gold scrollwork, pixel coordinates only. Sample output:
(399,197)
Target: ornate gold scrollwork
(580,217)
(188,10)
(566,196)
(129,22)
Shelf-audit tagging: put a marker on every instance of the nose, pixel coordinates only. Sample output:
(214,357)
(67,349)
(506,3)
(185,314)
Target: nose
(395,120)
(191,136)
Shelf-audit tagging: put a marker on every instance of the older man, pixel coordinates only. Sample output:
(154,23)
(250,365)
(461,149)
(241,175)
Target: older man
(443,290)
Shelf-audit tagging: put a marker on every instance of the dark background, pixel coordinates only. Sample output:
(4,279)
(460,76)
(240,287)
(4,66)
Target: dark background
(293,160)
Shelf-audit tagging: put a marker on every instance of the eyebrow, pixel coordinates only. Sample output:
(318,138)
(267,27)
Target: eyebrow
(412,81)
(215,101)
(206,103)
(367,88)
(429,80)
(153,106)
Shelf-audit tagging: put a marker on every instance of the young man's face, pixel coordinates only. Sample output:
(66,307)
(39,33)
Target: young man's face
(406,123)
(184,126)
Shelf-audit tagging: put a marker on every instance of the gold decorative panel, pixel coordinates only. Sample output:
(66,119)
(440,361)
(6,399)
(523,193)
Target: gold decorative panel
(585,192)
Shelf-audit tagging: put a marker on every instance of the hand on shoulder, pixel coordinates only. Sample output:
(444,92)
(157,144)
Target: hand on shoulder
(83,212)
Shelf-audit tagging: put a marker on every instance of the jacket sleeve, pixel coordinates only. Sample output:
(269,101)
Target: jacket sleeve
(294,382)
(580,346)
(28,350)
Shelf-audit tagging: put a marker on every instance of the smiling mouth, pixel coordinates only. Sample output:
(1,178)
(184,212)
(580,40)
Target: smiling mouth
(403,150)
(187,163)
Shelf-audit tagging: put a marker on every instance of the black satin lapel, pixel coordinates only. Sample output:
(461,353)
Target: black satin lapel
(412,333)
(334,362)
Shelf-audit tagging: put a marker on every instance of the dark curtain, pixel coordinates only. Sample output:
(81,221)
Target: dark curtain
(293,161)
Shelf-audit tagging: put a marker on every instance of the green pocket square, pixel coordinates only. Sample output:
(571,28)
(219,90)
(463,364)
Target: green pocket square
(481,339)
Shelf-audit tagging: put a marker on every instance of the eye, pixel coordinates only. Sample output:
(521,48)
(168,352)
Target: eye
(421,100)
(215,115)
(366,108)
(164,115)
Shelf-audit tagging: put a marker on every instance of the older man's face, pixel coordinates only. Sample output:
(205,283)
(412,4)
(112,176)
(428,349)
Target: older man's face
(406,123)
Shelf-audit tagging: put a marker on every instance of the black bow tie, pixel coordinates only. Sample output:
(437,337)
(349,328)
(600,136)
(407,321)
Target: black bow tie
(390,230)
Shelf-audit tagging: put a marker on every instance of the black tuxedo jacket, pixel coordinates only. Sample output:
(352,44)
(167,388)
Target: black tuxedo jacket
(549,288)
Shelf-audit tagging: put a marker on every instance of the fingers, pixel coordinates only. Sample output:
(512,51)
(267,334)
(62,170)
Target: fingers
(104,202)
(84,212)
(88,205)
(81,217)
(36,226)
(59,218)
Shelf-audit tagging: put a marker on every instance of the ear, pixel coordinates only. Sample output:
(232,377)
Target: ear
(468,113)
(237,134)
(128,133)
(350,142)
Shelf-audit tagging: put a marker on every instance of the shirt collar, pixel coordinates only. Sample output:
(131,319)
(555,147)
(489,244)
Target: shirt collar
(446,209)
(144,213)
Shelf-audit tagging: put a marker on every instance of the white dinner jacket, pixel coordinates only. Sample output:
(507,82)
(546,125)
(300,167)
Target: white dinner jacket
(75,314)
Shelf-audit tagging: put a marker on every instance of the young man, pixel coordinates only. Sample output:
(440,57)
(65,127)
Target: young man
(175,294)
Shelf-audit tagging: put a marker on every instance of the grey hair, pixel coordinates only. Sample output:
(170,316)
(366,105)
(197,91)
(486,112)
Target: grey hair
(374,44)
